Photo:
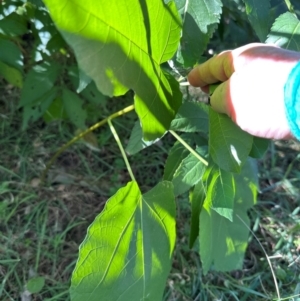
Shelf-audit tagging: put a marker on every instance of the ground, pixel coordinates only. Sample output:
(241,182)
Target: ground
(42,224)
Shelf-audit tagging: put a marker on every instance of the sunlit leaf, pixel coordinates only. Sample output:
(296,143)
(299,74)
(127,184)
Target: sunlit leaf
(223,243)
(122,51)
(126,254)
(258,12)
(285,32)
(229,145)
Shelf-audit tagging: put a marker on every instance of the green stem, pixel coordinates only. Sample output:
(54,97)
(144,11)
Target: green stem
(81,135)
(115,134)
(289,6)
(290,297)
(189,148)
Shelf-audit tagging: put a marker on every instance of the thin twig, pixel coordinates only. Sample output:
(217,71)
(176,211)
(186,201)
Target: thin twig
(115,134)
(290,6)
(81,135)
(189,148)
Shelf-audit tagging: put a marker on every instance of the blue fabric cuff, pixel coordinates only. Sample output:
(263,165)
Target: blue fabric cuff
(292,100)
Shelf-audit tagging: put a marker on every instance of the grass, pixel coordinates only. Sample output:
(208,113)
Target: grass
(41,227)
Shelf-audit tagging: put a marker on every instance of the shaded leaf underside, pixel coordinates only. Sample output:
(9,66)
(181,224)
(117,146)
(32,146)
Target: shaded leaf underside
(122,51)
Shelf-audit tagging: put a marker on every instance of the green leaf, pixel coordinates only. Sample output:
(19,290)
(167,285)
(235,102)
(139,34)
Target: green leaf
(38,82)
(285,32)
(56,42)
(200,140)
(11,74)
(177,153)
(191,117)
(92,94)
(33,111)
(11,54)
(205,12)
(127,252)
(188,173)
(85,86)
(223,243)
(213,87)
(74,110)
(55,111)
(13,25)
(30,9)
(220,191)
(180,5)
(247,184)
(38,3)
(38,91)
(121,47)
(229,145)
(136,142)
(84,81)
(35,285)
(258,12)
(197,197)
(200,19)
(259,147)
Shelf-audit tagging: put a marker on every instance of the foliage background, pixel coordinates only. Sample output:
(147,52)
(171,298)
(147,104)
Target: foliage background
(41,227)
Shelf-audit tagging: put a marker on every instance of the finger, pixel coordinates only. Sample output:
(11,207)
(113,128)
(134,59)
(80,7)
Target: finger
(222,66)
(218,68)
(220,100)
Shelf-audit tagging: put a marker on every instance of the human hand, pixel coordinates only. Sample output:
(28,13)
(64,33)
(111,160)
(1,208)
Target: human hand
(252,92)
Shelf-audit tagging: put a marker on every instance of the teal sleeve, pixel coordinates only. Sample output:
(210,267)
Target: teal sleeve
(292,100)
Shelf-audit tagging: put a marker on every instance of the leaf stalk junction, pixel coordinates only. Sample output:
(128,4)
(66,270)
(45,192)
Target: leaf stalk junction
(101,123)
